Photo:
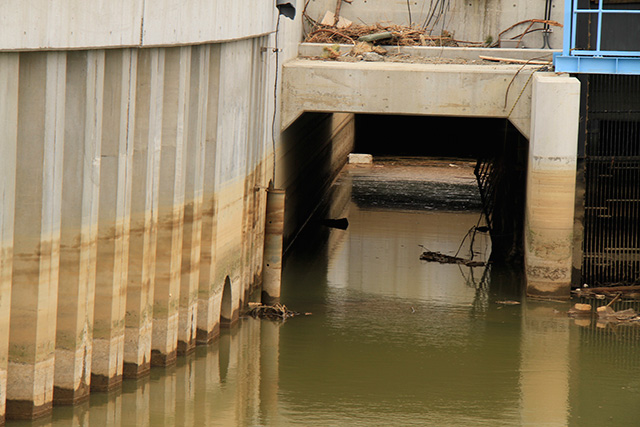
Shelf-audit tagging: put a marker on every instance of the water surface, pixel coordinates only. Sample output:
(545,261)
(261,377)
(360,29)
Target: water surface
(393,341)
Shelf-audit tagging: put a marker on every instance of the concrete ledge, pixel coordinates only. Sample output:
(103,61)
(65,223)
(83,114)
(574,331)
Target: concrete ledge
(468,53)
(410,89)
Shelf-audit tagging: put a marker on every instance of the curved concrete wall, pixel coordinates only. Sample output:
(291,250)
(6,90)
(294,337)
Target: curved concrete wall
(91,24)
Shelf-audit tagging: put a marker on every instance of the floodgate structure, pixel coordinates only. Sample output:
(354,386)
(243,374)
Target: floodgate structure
(142,140)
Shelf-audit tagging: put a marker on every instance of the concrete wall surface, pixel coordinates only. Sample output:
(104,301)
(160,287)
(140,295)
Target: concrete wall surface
(133,185)
(78,24)
(468,20)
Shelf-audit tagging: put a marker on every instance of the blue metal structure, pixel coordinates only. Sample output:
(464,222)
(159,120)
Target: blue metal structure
(586,59)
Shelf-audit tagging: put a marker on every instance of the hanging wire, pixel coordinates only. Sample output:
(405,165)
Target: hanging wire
(275,102)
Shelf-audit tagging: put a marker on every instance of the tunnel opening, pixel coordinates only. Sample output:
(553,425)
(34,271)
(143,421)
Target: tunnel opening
(498,148)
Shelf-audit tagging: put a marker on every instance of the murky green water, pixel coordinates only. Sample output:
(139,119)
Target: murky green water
(393,340)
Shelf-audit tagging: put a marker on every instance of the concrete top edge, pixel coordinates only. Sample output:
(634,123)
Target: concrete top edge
(559,78)
(403,66)
(316,49)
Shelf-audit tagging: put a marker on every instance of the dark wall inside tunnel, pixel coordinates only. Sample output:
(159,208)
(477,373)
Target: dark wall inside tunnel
(499,148)
(313,151)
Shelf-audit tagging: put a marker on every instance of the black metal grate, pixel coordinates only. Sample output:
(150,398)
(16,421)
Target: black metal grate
(611,248)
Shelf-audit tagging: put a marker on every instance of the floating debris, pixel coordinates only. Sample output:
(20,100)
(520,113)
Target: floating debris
(272,312)
(580,310)
(508,302)
(448,259)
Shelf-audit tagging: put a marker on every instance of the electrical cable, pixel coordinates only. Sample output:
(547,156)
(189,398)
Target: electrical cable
(275,103)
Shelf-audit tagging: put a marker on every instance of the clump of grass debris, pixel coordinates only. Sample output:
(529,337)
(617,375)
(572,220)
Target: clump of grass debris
(401,35)
(271,312)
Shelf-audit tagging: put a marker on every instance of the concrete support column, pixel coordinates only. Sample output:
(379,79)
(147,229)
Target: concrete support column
(272,269)
(551,178)
(171,206)
(36,234)
(79,227)
(208,300)
(194,185)
(144,212)
(113,218)
(9,79)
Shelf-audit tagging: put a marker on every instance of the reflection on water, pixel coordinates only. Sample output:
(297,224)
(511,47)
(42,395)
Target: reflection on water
(393,340)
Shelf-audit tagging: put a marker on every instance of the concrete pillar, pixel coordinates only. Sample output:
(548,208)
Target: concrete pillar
(9,75)
(144,212)
(79,227)
(175,119)
(272,270)
(194,185)
(36,234)
(551,178)
(231,165)
(113,218)
(208,299)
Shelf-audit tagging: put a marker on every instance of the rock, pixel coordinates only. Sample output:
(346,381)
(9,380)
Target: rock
(580,310)
(605,311)
(582,307)
(360,159)
(372,57)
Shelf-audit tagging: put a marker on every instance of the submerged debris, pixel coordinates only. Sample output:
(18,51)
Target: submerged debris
(448,259)
(272,312)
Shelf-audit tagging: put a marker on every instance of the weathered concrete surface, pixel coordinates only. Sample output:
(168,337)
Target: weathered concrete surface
(144,212)
(78,24)
(194,186)
(272,269)
(166,295)
(400,88)
(208,297)
(78,241)
(9,75)
(36,234)
(114,218)
(551,177)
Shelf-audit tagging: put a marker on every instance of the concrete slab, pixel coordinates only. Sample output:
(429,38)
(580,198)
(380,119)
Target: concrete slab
(410,89)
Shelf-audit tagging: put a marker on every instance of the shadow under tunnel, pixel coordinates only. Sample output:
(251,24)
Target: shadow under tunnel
(500,150)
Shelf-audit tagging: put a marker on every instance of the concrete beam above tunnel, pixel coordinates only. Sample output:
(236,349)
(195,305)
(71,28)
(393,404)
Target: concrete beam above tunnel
(457,90)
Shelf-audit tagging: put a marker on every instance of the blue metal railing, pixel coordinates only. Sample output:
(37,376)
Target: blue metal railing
(574,59)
